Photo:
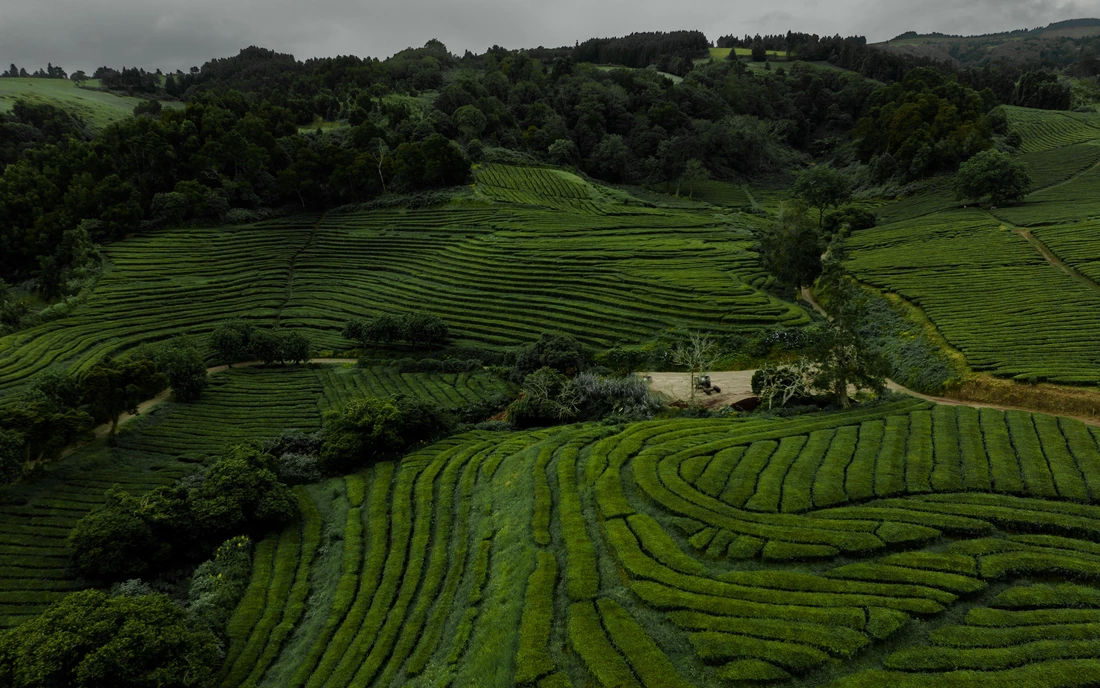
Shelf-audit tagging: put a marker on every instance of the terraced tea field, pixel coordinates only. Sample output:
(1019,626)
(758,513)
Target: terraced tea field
(990,293)
(499,274)
(697,553)
(161,446)
(993,295)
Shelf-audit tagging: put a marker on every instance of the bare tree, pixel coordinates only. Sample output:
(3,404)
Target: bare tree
(383,149)
(698,353)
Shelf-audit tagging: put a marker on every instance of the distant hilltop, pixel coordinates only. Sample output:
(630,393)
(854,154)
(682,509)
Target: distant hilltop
(1071,28)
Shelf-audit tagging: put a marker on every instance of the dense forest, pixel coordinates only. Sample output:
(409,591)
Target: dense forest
(244,144)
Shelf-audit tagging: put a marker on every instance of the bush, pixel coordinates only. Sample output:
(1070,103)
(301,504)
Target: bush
(550,398)
(552,350)
(854,217)
(128,537)
(218,584)
(372,429)
(90,640)
(239,493)
(297,469)
(363,432)
(115,543)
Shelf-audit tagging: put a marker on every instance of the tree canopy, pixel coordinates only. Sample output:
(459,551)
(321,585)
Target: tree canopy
(994,175)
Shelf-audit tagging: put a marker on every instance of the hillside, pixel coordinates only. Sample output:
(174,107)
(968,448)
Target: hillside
(97,108)
(1013,288)
(1059,42)
(542,369)
(500,268)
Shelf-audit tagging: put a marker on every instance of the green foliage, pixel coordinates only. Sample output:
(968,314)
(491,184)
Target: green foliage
(231,340)
(790,248)
(115,543)
(927,122)
(552,350)
(218,583)
(822,187)
(111,388)
(417,328)
(184,368)
(127,537)
(992,174)
(129,642)
(854,217)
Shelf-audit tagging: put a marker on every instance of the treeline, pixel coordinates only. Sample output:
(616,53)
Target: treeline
(50,72)
(642,49)
(224,156)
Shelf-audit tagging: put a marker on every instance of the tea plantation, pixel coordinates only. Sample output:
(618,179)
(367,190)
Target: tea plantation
(695,553)
(990,291)
(499,273)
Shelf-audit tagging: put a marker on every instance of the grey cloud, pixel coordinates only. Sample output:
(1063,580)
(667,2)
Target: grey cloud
(175,35)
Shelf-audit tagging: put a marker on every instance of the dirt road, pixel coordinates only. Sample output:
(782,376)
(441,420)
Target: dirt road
(736,385)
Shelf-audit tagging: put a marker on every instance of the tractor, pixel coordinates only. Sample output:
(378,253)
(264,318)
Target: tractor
(702,383)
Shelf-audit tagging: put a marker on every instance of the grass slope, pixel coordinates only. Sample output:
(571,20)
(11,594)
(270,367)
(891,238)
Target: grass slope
(991,292)
(97,108)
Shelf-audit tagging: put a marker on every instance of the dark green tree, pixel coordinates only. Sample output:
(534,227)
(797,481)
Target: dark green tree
(361,433)
(111,388)
(424,329)
(231,341)
(91,640)
(552,350)
(994,175)
(791,247)
(822,187)
(114,542)
(183,366)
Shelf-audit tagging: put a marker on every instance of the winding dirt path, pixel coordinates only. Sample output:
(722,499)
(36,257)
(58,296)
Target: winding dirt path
(1053,259)
(808,297)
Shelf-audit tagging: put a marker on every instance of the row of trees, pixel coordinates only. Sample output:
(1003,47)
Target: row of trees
(238,340)
(418,329)
(50,72)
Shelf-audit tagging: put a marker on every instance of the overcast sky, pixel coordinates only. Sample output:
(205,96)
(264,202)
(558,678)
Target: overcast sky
(83,34)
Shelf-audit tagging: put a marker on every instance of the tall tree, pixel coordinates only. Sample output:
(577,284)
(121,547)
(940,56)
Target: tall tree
(822,187)
(111,388)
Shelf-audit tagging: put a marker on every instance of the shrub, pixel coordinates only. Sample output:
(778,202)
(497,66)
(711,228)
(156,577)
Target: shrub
(115,543)
(297,469)
(854,217)
(231,340)
(219,583)
(552,350)
(239,493)
(123,642)
(364,431)
(128,537)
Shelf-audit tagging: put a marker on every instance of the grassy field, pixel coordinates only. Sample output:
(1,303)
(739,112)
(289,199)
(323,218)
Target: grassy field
(162,445)
(904,543)
(96,107)
(542,250)
(992,293)
(724,53)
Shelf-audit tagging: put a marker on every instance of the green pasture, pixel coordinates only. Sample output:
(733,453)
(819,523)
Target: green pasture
(98,108)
